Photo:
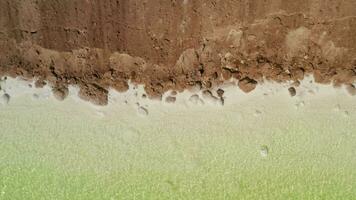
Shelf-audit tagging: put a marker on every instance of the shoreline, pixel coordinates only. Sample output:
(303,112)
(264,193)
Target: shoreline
(135,97)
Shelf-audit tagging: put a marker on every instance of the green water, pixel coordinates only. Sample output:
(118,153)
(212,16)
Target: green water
(62,151)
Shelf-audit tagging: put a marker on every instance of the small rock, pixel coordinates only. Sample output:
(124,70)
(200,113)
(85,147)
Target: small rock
(142,111)
(60,93)
(247,84)
(226,74)
(220,92)
(40,83)
(292,91)
(5,99)
(171,99)
(297,74)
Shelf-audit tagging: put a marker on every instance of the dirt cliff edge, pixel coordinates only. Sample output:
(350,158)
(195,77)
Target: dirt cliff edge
(176,45)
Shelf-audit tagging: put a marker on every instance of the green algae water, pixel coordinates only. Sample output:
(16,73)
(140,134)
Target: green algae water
(260,147)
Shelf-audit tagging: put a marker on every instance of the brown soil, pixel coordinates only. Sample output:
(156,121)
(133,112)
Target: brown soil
(176,44)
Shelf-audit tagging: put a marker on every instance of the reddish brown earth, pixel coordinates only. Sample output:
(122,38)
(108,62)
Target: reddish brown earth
(176,44)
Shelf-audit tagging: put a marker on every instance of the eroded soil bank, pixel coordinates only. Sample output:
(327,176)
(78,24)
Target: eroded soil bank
(176,45)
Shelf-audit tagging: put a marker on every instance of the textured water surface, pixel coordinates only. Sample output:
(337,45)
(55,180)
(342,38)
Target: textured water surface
(266,146)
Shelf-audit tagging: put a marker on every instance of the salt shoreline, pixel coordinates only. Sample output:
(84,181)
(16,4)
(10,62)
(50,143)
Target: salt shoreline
(136,96)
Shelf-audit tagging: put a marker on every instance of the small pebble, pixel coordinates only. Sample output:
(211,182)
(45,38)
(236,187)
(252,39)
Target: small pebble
(247,85)
(220,92)
(60,93)
(292,91)
(40,83)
